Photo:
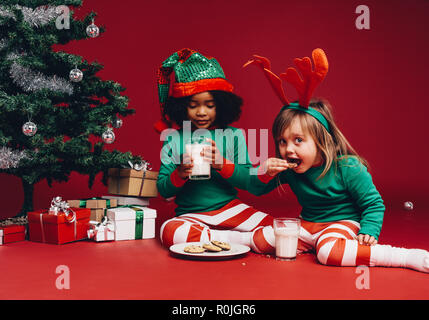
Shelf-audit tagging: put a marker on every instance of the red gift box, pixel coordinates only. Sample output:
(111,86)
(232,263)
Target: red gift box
(58,229)
(12,233)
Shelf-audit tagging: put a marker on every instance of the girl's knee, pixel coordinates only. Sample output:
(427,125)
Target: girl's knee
(322,255)
(331,253)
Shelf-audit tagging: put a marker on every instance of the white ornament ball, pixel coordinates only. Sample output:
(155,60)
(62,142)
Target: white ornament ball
(29,129)
(76,75)
(92,30)
(408,205)
(108,136)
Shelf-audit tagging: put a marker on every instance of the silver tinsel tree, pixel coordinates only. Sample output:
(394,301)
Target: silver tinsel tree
(37,17)
(30,80)
(27,79)
(36,87)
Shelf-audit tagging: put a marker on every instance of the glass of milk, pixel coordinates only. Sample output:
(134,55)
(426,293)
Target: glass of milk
(286,231)
(201,168)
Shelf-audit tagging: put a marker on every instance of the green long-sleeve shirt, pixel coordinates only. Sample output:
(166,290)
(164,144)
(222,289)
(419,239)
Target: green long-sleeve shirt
(204,195)
(345,192)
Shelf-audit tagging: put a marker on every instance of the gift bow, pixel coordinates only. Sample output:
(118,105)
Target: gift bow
(57,205)
(142,165)
(105,223)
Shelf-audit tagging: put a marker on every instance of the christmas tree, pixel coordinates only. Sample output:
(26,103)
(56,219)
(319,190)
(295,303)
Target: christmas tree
(55,113)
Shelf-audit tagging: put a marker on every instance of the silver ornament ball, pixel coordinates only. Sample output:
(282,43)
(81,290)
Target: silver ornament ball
(29,128)
(108,136)
(408,205)
(92,31)
(76,75)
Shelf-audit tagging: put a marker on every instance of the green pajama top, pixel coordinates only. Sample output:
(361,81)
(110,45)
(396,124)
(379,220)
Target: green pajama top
(346,192)
(204,195)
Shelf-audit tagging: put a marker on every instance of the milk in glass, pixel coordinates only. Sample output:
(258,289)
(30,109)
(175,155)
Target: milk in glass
(286,233)
(201,168)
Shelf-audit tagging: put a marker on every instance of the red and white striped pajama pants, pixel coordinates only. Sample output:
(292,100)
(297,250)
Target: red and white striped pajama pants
(334,242)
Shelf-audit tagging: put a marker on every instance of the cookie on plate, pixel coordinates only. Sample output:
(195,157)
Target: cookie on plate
(194,249)
(211,247)
(223,245)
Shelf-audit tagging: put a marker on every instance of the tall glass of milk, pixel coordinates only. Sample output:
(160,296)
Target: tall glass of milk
(286,231)
(201,168)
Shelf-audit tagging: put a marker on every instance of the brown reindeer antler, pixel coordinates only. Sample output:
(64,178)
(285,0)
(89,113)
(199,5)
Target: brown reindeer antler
(275,81)
(310,79)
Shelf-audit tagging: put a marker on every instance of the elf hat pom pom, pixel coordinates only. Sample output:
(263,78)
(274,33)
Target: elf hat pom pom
(185,73)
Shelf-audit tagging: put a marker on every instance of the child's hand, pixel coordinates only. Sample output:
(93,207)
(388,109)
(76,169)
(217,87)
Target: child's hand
(366,239)
(212,154)
(185,168)
(273,166)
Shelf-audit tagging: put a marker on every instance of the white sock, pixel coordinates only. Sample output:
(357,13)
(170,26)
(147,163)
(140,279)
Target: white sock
(231,236)
(388,256)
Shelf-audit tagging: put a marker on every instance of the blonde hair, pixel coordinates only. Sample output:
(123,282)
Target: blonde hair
(332,146)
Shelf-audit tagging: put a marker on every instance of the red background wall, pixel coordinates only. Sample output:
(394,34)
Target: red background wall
(376,82)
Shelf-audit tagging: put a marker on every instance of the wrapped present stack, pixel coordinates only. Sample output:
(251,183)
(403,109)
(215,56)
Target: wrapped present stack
(122,215)
(128,222)
(127,215)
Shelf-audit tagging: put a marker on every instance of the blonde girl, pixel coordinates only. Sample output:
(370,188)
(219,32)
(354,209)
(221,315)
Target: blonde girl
(342,211)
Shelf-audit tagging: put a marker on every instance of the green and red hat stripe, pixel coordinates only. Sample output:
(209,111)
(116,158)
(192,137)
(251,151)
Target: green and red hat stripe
(185,73)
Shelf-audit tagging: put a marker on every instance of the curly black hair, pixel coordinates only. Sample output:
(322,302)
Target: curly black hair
(228,108)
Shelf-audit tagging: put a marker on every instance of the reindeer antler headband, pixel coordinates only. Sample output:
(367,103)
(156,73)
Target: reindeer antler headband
(304,86)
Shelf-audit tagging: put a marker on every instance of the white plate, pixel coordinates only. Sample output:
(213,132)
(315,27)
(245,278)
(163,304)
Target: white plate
(235,251)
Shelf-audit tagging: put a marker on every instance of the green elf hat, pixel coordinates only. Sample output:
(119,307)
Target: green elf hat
(185,73)
(305,86)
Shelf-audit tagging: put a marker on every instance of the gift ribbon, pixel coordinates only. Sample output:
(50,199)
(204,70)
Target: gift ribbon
(139,221)
(82,203)
(74,220)
(143,179)
(41,227)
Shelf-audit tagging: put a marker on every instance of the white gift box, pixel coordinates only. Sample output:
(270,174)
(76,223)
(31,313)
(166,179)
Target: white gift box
(126,228)
(138,201)
(1,237)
